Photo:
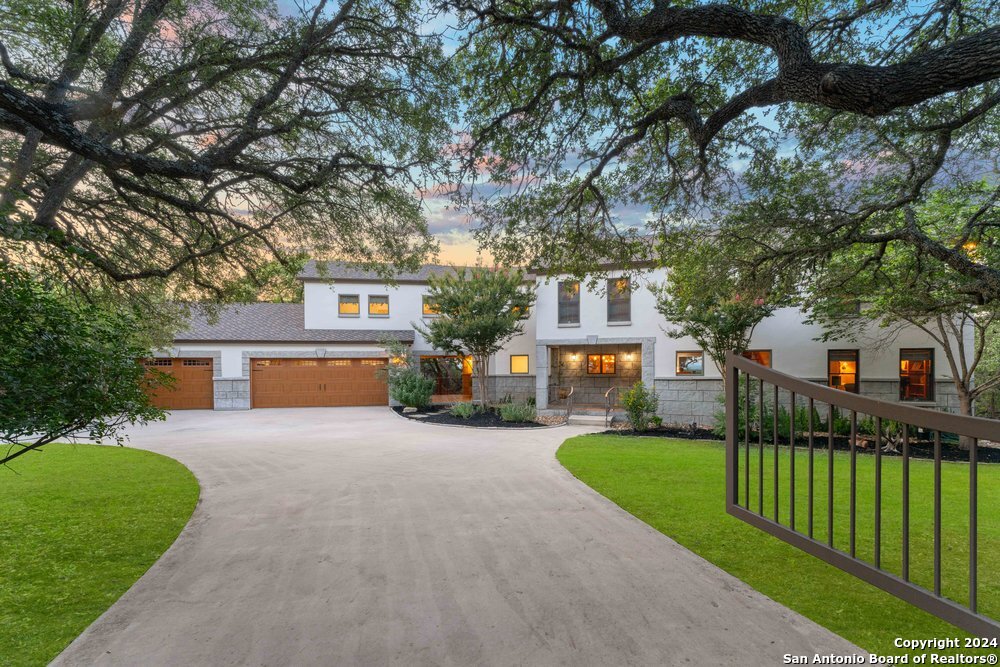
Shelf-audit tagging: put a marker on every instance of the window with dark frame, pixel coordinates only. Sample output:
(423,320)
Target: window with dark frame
(842,370)
(691,363)
(916,374)
(378,306)
(762,357)
(601,364)
(348,305)
(619,300)
(518,364)
(569,302)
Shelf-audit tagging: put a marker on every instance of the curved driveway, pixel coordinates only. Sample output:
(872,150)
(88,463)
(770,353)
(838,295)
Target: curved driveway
(349,536)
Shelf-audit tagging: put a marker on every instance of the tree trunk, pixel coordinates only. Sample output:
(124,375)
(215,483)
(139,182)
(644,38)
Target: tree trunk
(964,408)
(482,366)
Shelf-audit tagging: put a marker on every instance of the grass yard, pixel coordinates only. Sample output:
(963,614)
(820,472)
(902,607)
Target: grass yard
(677,486)
(78,525)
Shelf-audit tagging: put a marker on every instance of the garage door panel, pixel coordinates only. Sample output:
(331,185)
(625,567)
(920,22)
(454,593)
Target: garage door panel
(193,384)
(286,383)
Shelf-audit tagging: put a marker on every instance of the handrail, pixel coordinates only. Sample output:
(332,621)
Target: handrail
(569,402)
(607,405)
(910,420)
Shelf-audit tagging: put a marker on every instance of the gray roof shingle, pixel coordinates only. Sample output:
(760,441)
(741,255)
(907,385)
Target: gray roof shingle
(337,270)
(273,323)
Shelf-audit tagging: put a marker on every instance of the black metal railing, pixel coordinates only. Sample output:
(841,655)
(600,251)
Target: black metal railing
(763,407)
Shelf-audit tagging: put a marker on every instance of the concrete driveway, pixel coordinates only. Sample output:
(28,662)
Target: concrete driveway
(349,536)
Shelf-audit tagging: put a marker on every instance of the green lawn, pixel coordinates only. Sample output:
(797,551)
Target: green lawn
(78,525)
(677,486)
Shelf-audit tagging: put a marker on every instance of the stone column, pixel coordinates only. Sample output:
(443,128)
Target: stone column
(541,377)
(648,362)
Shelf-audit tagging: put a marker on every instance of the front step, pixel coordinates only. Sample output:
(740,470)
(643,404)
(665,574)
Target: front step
(586,420)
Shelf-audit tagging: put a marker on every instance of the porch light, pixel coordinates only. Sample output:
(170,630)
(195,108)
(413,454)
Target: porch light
(397,361)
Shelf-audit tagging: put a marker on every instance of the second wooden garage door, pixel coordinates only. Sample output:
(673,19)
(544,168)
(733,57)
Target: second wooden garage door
(308,383)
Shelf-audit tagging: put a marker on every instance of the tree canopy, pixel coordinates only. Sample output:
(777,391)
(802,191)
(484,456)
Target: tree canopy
(478,311)
(804,127)
(191,141)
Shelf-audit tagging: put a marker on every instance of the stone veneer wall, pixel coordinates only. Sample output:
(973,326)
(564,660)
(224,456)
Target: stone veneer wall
(590,389)
(232,393)
(696,400)
(517,387)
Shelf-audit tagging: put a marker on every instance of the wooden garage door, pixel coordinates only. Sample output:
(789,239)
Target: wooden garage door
(309,383)
(192,389)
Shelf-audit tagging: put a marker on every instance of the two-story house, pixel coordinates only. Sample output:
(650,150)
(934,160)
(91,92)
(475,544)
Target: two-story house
(326,351)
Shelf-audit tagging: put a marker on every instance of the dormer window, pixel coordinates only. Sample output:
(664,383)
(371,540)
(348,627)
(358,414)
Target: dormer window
(619,301)
(348,305)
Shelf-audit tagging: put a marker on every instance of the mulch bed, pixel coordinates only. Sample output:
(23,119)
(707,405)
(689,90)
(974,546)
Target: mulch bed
(441,415)
(919,449)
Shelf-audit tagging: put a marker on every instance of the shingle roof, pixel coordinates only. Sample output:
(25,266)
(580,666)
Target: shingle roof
(273,323)
(337,270)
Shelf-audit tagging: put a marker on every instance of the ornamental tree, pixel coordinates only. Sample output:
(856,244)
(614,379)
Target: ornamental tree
(67,368)
(479,310)
(712,299)
(192,142)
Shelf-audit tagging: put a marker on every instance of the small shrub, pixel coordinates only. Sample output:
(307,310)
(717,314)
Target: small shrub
(463,410)
(411,387)
(640,403)
(517,412)
(656,421)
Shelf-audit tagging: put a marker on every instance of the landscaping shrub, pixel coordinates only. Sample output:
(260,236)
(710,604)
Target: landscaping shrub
(640,403)
(411,387)
(463,410)
(517,412)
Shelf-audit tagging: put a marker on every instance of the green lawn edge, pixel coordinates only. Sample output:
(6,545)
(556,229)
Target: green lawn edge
(79,524)
(677,487)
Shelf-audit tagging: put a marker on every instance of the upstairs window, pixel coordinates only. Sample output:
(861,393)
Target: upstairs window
(916,374)
(378,306)
(842,369)
(569,302)
(762,357)
(348,305)
(601,364)
(429,309)
(691,363)
(619,300)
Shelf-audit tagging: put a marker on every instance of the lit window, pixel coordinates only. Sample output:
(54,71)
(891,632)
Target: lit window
(349,305)
(569,302)
(600,364)
(762,357)
(518,364)
(916,375)
(305,362)
(691,363)
(378,306)
(842,369)
(619,300)
(430,309)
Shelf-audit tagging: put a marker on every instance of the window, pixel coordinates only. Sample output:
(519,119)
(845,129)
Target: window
(842,369)
(518,364)
(349,305)
(916,375)
(600,364)
(305,362)
(762,357)
(430,309)
(569,302)
(196,362)
(378,306)
(619,300)
(159,362)
(691,363)
(268,362)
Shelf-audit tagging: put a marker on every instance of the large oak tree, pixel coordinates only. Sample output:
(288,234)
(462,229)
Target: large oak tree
(189,142)
(803,126)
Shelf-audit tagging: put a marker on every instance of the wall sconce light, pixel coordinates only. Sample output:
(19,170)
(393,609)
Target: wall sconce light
(627,356)
(574,357)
